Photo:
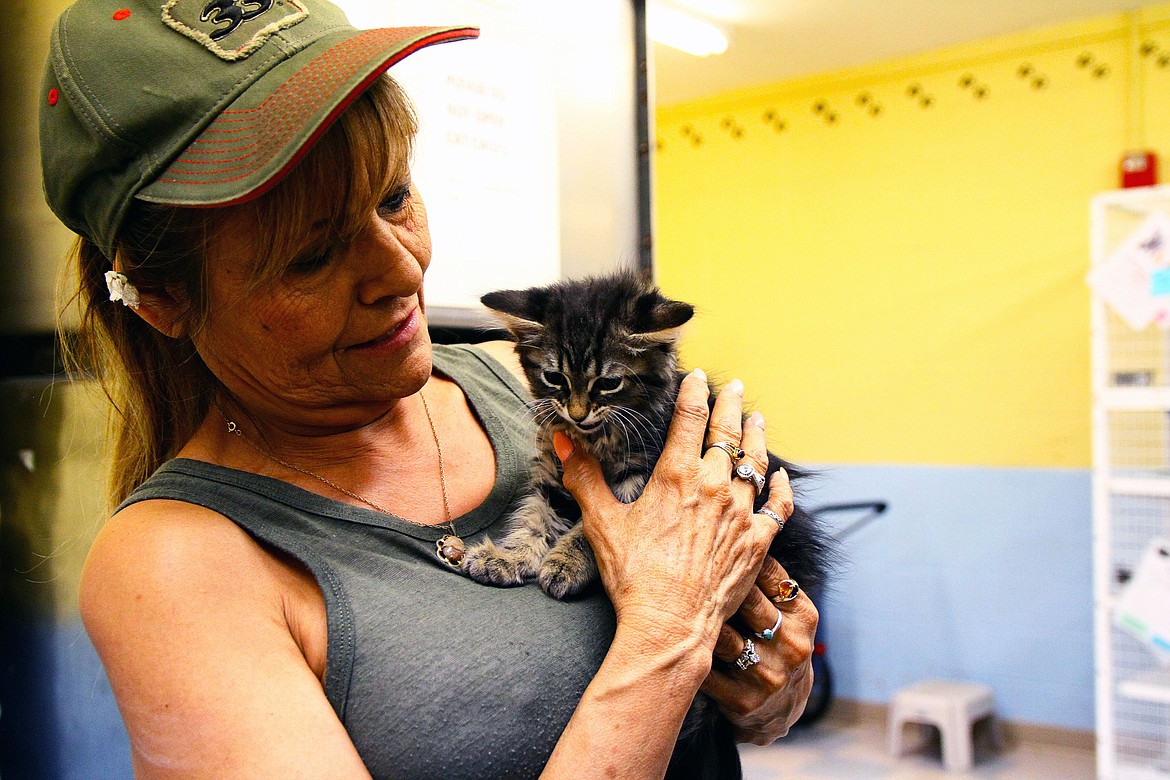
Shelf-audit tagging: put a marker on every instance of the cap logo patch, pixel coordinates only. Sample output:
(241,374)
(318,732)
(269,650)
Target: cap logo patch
(232,29)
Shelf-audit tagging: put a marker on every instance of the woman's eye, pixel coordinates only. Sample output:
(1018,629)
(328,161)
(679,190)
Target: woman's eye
(395,201)
(312,261)
(554,379)
(607,384)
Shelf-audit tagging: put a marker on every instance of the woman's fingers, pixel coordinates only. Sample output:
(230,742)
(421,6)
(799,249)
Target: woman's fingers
(755,447)
(780,498)
(583,477)
(685,438)
(762,616)
(771,579)
(729,645)
(726,425)
(761,610)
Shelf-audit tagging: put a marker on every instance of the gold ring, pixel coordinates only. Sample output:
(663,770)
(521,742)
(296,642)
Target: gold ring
(788,591)
(732,449)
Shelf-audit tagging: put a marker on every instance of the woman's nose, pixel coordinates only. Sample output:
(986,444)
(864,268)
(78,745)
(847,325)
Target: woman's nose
(389,265)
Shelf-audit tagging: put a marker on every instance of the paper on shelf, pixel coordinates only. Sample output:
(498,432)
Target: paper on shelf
(1143,606)
(1134,280)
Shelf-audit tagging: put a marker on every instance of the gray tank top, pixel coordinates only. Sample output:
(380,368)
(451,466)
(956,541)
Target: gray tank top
(432,674)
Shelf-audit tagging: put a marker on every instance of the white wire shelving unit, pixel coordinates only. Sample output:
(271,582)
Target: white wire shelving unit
(1131,503)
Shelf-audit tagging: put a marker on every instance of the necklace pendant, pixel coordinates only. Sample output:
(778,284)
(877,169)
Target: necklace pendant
(450,550)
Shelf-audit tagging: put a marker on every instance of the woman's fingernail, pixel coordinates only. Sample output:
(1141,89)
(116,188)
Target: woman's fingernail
(735,386)
(756,419)
(563,446)
(700,374)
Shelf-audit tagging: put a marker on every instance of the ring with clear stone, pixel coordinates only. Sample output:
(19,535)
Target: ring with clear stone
(748,472)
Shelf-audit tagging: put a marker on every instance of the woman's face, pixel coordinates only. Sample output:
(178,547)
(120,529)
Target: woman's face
(335,340)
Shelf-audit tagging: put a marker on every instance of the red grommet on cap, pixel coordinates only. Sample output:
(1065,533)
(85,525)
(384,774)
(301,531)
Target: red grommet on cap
(53,97)
(120,15)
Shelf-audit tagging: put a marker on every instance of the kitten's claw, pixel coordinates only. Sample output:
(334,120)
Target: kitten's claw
(562,576)
(494,565)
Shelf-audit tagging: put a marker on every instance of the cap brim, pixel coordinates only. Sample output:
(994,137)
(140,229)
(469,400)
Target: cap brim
(261,135)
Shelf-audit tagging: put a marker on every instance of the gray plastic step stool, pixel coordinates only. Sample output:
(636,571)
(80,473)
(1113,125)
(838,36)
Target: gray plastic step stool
(952,707)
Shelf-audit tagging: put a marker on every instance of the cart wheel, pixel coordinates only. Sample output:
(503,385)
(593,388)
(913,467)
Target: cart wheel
(822,690)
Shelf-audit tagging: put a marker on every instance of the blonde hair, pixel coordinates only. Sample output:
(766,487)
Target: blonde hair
(158,386)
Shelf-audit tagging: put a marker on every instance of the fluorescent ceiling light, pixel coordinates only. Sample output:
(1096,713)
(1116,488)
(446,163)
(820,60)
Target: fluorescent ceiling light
(683,31)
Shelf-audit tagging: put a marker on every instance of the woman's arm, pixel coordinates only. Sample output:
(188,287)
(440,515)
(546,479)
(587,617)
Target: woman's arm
(206,650)
(677,563)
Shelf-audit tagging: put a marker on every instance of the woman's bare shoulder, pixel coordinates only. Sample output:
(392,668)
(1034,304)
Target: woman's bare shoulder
(505,353)
(159,558)
(162,549)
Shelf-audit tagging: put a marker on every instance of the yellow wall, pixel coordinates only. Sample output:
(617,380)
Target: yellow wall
(908,287)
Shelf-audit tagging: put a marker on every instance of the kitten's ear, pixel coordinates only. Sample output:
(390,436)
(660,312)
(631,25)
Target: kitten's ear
(520,311)
(659,320)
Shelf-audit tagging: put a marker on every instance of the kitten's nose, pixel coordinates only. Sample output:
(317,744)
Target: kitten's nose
(578,409)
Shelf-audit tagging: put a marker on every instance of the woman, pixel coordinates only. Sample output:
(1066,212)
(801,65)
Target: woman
(278,593)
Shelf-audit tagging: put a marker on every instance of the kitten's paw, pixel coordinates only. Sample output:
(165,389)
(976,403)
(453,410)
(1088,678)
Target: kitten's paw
(494,565)
(565,573)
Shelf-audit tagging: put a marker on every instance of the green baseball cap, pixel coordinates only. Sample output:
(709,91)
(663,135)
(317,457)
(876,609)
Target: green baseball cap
(197,102)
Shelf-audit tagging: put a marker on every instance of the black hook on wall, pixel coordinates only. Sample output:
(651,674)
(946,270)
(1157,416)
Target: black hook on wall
(916,90)
(868,102)
(825,111)
(979,91)
(773,120)
(1027,72)
(732,127)
(1087,60)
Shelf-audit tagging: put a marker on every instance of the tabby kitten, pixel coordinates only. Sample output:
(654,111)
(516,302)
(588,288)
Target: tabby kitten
(600,355)
(601,359)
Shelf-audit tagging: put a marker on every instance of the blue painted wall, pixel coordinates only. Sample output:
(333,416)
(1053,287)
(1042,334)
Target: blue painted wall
(59,719)
(979,574)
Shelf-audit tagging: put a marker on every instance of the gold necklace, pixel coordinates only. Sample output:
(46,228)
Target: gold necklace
(450,548)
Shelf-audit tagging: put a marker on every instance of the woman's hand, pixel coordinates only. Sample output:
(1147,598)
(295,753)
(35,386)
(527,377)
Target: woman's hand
(677,564)
(680,560)
(764,700)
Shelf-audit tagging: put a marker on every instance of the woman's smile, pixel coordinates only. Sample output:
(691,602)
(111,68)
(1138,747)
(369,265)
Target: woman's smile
(394,339)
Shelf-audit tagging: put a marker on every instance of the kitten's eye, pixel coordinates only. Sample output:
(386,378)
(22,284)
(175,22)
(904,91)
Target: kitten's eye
(607,384)
(554,379)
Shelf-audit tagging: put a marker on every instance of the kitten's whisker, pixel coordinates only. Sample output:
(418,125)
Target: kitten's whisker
(617,418)
(645,423)
(637,418)
(529,410)
(621,415)
(546,414)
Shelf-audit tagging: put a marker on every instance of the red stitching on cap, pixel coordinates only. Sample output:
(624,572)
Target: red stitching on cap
(122,14)
(252,153)
(367,43)
(319,70)
(252,125)
(221,149)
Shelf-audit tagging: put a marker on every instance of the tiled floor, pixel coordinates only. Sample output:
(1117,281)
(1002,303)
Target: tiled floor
(840,749)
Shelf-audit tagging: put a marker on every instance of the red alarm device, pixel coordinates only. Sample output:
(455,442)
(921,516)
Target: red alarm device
(1139,169)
